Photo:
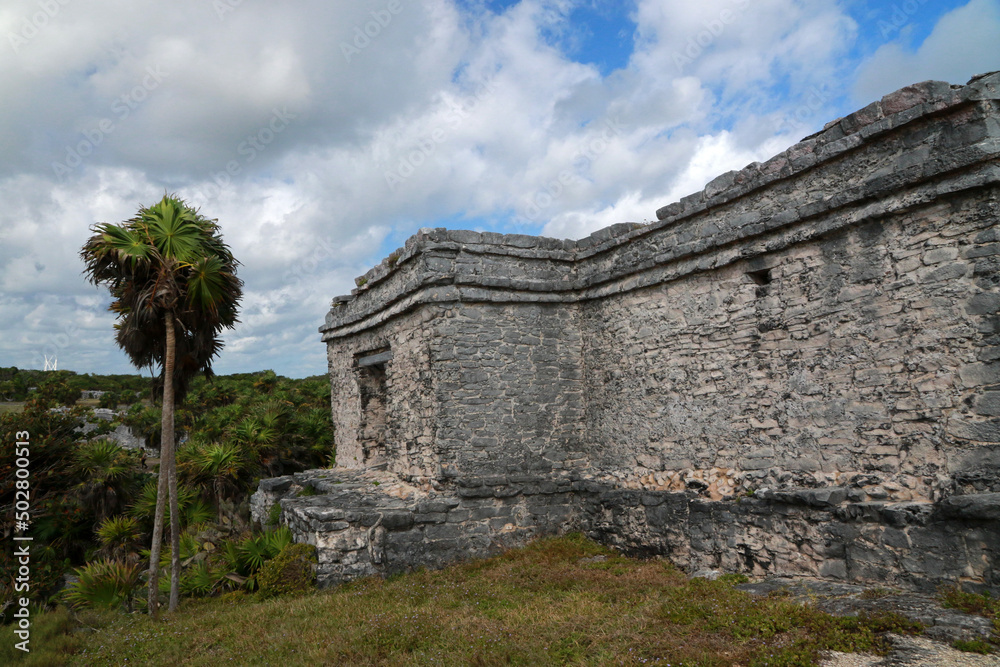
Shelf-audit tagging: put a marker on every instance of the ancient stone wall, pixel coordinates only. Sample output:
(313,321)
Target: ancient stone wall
(516,369)
(794,371)
(813,532)
(857,354)
(374,523)
(382,415)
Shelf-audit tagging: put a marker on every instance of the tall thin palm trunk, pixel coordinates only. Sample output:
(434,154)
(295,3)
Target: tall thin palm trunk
(161,503)
(167,484)
(170,464)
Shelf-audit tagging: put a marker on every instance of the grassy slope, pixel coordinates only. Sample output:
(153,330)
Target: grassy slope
(535,606)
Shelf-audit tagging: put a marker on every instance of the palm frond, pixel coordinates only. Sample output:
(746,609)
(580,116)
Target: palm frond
(167,259)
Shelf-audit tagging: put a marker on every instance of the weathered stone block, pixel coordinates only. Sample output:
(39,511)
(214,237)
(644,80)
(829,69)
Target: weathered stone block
(983,507)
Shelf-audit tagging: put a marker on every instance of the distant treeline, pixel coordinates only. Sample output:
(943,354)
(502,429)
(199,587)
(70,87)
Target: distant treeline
(64,387)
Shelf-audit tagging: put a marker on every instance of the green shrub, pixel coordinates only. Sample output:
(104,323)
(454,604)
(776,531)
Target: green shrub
(974,646)
(274,515)
(200,580)
(104,583)
(291,571)
(277,539)
(193,509)
(241,560)
(119,537)
(981,604)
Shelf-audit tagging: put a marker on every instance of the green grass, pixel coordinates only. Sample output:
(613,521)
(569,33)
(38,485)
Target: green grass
(974,646)
(876,593)
(980,604)
(534,606)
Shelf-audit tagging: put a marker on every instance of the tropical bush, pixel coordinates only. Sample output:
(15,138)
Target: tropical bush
(244,558)
(218,470)
(61,525)
(291,571)
(104,583)
(109,476)
(192,508)
(119,538)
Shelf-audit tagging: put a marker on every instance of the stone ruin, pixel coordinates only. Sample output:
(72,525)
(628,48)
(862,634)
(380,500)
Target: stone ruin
(793,372)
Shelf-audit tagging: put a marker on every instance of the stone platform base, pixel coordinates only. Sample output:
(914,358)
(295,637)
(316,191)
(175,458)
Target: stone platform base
(367,523)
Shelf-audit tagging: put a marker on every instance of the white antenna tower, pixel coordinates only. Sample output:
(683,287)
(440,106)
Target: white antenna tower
(51,365)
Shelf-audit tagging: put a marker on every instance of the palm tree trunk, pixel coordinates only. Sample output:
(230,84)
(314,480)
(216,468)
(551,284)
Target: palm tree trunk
(171,461)
(218,497)
(161,502)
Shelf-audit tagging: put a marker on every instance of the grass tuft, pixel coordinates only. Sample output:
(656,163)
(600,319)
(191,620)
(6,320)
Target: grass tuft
(876,593)
(973,646)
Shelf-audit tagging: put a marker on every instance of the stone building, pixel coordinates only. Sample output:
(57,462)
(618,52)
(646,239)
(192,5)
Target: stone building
(794,371)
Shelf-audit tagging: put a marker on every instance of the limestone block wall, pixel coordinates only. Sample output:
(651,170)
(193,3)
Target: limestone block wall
(867,352)
(916,545)
(796,370)
(393,430)
(373,523)
(516,371)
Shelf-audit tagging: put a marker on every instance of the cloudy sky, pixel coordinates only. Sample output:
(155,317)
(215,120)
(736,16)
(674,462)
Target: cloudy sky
(322,134)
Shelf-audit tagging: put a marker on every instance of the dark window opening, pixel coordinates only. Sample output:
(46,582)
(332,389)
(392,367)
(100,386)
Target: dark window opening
(762,277)
(371,370)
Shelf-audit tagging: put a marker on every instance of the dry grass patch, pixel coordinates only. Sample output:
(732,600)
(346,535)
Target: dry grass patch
(551,603)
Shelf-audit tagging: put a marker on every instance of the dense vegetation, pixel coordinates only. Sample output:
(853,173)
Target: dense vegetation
(92,501)
(563,601)
(64,387)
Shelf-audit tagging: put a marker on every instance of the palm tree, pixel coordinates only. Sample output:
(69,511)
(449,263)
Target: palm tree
(175,289)
(109,475)
(260,440)
(220,466)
